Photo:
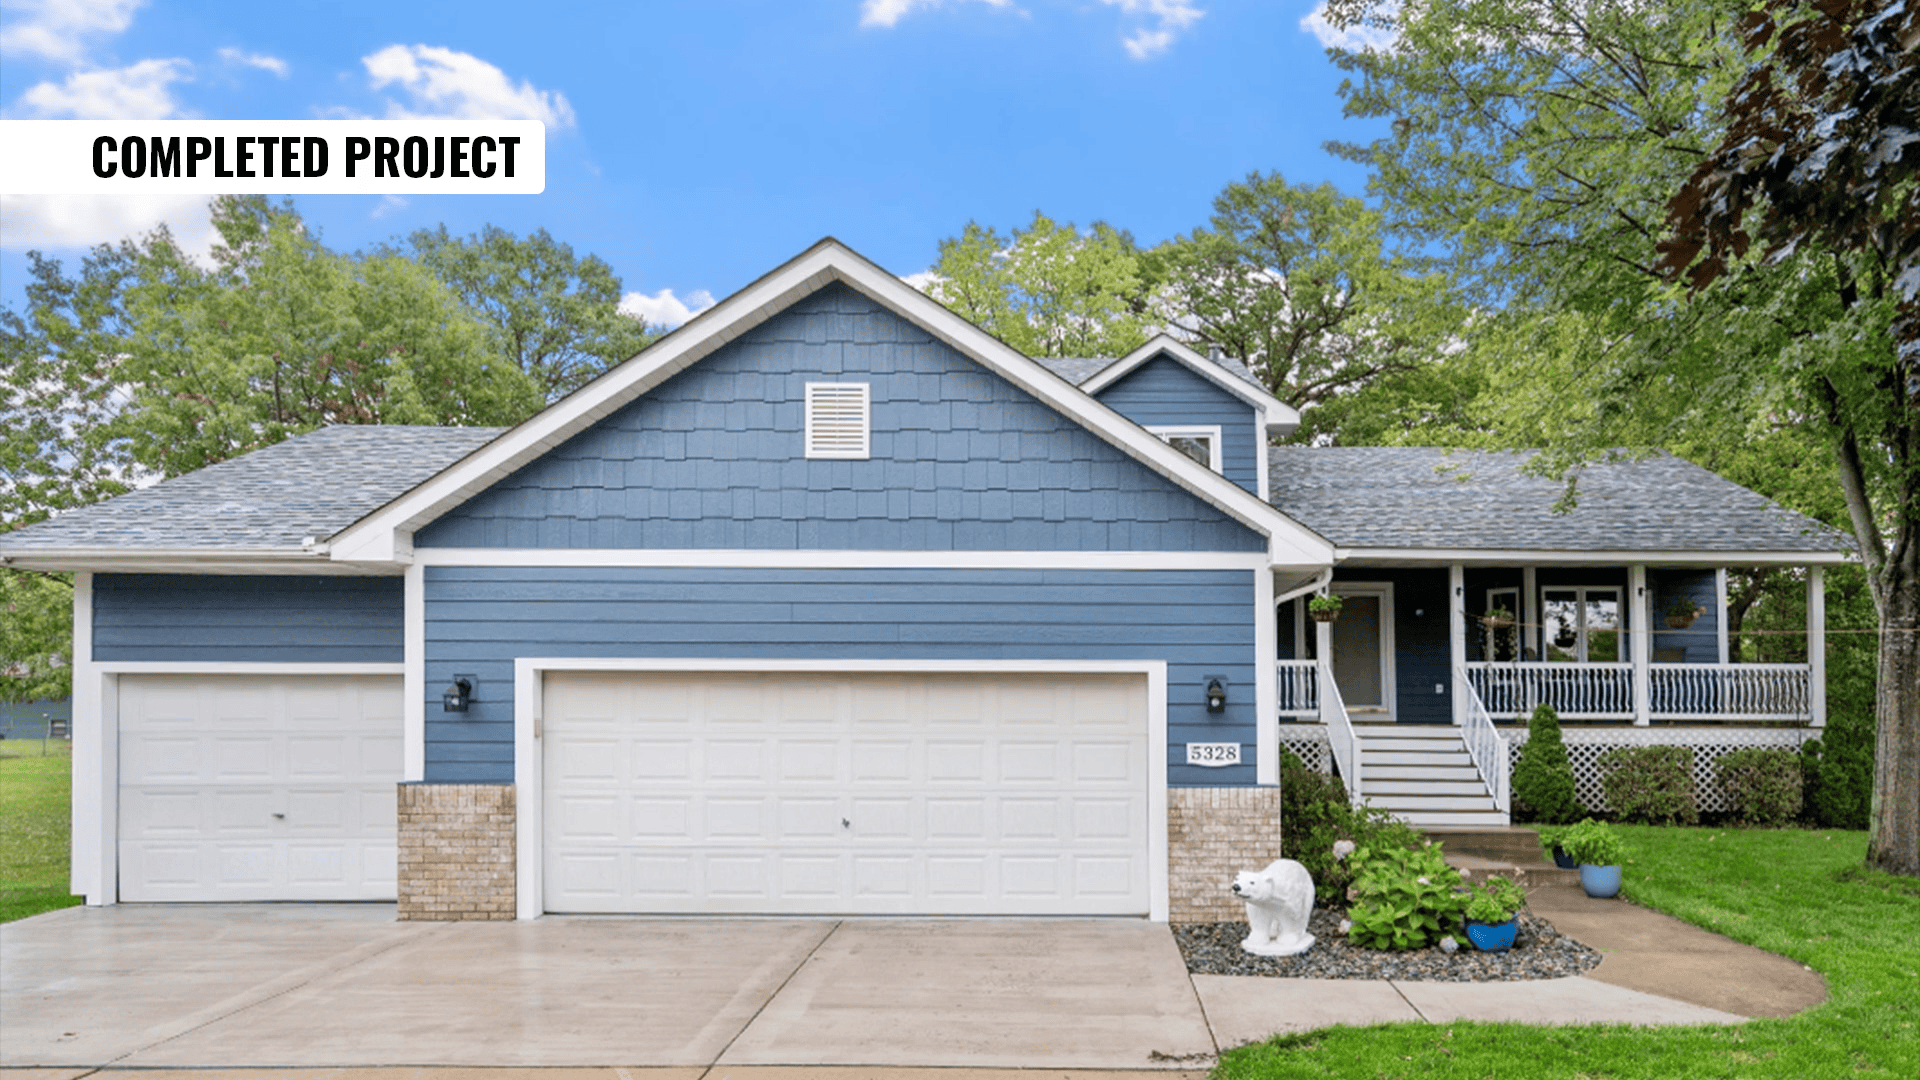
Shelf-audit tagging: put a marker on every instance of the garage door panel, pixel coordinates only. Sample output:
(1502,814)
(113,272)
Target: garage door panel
(258,787)
(882,794)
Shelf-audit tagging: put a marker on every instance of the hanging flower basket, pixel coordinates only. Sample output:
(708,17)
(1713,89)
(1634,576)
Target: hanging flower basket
(1324,608)
(1683,613)
(1677,622)
(1498,619)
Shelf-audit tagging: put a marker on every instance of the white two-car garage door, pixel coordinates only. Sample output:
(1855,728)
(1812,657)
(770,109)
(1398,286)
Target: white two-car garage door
(258,787)
(820,793)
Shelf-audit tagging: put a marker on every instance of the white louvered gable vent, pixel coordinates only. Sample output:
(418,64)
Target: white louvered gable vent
(838,418)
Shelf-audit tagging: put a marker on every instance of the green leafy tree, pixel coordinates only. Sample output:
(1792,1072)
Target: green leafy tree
(1048,289)
(554,314)
(1301,284)
(36,636)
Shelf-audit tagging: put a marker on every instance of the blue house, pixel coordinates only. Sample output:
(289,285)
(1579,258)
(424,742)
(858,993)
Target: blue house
(830,602)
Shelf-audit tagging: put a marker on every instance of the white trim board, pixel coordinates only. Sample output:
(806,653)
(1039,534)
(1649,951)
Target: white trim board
(385,535)
(1276,416)
(528,696)
(1700,560)
(1389,672)
(845,560)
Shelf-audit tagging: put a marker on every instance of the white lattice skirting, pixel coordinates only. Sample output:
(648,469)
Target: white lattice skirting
(1584,748)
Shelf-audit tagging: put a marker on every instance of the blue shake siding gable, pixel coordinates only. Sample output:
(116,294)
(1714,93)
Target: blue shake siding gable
(480,618)
(211,617)
(961,460)
(1166,393)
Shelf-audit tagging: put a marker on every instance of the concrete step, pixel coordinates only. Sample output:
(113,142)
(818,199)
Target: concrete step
(1514,843)
(1397,757)
(1372,771)
(1476,870)
(1425,787)
(1397,803)
(1422,819)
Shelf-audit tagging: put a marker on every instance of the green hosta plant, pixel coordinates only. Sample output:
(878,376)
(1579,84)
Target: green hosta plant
(1403,899)
(1594,843)
(1498,901)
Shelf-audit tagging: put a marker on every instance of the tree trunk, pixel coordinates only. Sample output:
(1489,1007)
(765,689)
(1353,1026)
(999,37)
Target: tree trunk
(1895,818)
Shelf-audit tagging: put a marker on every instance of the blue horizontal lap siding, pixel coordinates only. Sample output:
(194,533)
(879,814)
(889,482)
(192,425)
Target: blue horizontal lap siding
(961,460)
(479,619)
(1701,640)
(1165,393)
(206,617)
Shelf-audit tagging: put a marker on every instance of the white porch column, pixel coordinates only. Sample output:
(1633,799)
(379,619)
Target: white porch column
(1817,644)
(1266,691)
(1640,636)
(1529,638)
(1457,637)
(92,864)
(1720,617)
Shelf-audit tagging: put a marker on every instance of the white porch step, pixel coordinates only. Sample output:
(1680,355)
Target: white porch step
(1491,819)
(1417,746)
(1442,732)
(1427,759)
(1471,786)
(1417,803)
(1442,773)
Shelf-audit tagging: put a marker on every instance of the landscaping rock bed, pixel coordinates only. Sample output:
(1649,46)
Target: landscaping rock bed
(1540,952)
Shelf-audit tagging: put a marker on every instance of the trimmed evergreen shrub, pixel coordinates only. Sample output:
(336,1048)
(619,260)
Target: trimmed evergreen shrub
(1651,785)
(1762,784)
(1315,815)
(1837,775)
(1543,780)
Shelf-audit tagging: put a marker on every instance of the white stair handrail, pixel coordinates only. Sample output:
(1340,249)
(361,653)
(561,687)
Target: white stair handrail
(1485,744)
(1341,738)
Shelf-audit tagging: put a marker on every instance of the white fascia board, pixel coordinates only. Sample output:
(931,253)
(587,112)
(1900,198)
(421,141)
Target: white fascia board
(379,535)
(1674,559)
(1274,413)
(189,561)
(246,667)
(780,559)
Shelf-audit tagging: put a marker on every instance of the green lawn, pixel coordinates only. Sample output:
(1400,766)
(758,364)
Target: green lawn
(1798,893)
(33,827)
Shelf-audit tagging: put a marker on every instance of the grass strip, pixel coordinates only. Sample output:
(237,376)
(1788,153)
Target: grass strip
(35,838)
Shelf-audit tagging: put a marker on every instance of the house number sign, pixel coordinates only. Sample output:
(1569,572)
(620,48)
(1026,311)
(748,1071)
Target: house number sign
(1213,754)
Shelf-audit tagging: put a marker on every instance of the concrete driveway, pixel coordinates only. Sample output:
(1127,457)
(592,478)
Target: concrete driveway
(346,985)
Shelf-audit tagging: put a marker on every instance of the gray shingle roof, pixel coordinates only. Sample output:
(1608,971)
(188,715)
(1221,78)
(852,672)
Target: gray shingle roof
(1423,497)
(1078,369)
(312,485)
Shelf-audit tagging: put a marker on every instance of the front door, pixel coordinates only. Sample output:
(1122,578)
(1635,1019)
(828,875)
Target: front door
(1363,650)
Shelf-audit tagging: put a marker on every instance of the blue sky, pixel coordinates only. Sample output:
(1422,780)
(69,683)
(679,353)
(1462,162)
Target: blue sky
(694,146)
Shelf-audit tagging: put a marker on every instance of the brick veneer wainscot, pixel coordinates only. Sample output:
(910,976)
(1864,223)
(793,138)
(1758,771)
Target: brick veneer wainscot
(1212,835)
(456,852)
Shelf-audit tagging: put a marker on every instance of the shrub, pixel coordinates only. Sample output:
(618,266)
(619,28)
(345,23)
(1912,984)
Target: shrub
(1762,784)
(1594,843)
(1403,899)
(1543,780)
(1496,901)
(1315,814)
(1837,772)
(1651,785)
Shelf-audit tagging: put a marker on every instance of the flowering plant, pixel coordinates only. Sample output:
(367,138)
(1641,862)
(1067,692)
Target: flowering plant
(1403,897)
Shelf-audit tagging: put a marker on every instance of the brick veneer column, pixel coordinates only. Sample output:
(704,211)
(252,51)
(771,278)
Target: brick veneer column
(456,852)
(1213,834)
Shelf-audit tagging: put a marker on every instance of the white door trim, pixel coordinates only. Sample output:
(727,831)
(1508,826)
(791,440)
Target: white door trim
(529,675)
(1389,680)
(95,866)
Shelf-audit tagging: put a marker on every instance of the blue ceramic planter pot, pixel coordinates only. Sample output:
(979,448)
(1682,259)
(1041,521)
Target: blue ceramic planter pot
(1600,882)
(1493,937)
(1563,860)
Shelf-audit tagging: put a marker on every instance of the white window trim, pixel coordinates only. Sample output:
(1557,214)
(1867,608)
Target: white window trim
(1389,677)
(819,396)
(1580,626)
(1210,432)
(529,677)
(1519,631)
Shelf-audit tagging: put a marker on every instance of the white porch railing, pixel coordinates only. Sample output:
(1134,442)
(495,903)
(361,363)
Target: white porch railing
(1730,691)
(1298,691)
(1340,736)
(1485,746)
(1675,691)
(1576,691)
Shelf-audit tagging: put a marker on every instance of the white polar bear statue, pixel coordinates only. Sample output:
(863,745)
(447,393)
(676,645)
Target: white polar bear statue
(1279,902)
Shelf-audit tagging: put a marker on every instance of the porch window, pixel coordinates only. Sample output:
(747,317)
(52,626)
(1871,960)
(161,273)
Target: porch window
(1582,625)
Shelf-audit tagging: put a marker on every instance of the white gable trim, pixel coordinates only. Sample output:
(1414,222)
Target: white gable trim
(1276,416)
(386,534)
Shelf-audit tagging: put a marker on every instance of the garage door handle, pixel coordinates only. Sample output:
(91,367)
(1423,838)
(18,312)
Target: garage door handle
(280,817)
(845,824)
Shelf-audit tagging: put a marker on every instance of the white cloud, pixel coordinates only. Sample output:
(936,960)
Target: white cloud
(1350,38)
(56,29)
(1170,19)
(665,309)
(443,83)
(140,92)
(259,60)
(69,221)
(924,278)
(889,12)
(388,204)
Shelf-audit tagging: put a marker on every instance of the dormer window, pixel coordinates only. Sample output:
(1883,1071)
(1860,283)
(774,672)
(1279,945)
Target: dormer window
(1202,444)
(839,417)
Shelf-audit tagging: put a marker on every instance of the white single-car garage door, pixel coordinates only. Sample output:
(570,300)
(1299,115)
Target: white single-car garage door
(860,794)
(258,787)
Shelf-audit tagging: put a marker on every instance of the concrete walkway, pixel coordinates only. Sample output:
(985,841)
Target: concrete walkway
(330,987)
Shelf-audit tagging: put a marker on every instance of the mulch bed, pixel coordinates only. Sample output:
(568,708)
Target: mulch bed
(1540,952)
